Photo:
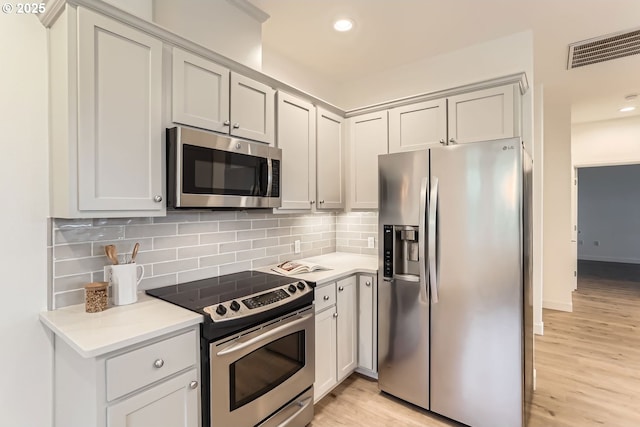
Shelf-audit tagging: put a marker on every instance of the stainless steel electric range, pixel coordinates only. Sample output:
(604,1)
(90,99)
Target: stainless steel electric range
(257,347)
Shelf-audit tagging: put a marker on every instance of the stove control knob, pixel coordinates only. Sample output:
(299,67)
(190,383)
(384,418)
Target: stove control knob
(221,310)
(300,285)
(292,288)
(234,306)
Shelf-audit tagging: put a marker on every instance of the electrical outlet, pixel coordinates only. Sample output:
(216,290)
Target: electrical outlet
(596,243)
(370,242)
(296,247)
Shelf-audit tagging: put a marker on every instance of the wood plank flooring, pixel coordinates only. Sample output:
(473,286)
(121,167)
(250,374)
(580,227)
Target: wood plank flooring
(588,370)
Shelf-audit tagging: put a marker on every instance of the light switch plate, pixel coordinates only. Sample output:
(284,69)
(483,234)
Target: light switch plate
(370,242)
(296,247)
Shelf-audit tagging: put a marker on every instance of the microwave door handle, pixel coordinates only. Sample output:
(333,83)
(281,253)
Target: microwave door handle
(269,177)
(238,346)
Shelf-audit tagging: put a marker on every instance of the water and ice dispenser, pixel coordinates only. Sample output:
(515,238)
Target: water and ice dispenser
(400,246)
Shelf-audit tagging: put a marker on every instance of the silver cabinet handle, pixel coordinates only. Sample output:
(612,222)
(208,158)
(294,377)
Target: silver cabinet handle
(193,385)
(236,125)
(157,198)
(226,123)
(321,201)
(452,141)
(341,288)
(312,202)
(159,363)
(443,142)
(335,314)
(368,283)
(326,298)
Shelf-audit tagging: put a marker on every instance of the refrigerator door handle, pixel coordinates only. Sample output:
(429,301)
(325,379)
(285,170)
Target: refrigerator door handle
(422,241)
(433,221)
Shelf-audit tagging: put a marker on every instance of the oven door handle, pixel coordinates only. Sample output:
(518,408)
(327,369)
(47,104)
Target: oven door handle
(244,344)
(269,177)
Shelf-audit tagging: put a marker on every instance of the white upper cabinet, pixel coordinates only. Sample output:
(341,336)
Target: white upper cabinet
(368,139)
(484,115)
(119,116)
(329,160)
(252,109)
(418,126)
(106,118)
(200,92)
(297,139)
(210,96)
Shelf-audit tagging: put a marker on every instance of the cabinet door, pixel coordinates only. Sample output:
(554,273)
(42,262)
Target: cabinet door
(368,139)
(200,92)
(325,352)
(347,345)
(119,116)
(366,322)
(482,115)
(171,403)
(329,161)
(418,126)
(297,139)
(252,109)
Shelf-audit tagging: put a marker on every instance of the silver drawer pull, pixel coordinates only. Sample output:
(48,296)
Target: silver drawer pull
(193,385)
(159,363)
(335,314)
(341,288)
(326,298)
(368,283)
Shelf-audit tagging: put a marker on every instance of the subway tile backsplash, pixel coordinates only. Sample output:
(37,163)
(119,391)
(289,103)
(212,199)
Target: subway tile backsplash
(186,246)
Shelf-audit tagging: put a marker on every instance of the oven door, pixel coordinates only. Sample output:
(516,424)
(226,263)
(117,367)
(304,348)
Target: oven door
(254,375)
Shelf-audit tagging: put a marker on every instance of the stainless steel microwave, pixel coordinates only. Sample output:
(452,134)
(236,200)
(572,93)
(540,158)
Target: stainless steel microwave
(207,170)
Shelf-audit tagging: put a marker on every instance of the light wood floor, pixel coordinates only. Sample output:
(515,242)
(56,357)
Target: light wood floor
(588,370)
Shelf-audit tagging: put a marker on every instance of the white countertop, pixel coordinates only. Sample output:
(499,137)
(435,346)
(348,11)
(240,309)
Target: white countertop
(341,264)
(95,334)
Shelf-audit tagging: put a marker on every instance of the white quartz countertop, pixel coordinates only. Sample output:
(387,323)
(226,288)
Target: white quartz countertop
(340,264)
(95,334)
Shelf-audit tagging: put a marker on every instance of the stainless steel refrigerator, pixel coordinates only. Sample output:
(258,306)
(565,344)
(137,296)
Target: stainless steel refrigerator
(455,327)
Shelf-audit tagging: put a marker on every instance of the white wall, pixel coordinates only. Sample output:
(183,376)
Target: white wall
(482,61)
(609,212)
(557,257)
(25,388)
(221,25)
(607,142)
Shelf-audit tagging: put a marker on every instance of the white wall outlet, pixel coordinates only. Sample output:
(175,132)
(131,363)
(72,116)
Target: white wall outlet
(296,247)
(370,242)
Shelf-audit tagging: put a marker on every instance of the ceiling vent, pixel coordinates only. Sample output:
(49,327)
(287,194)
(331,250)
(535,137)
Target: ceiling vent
(605,48)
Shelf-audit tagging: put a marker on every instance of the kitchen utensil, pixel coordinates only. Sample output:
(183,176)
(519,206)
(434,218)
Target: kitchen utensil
(135,252)
(112,253)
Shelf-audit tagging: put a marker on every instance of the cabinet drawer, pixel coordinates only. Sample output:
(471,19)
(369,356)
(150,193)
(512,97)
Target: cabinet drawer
(325,296)
(130,371)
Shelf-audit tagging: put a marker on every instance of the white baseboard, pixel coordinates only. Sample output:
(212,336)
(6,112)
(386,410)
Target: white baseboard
(608,259)
(538,328)
(560,306)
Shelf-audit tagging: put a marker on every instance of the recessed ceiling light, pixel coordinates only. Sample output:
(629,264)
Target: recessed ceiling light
(627,109)
(343,25)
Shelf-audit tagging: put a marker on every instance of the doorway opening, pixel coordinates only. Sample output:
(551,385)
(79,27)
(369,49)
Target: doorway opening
(606,234)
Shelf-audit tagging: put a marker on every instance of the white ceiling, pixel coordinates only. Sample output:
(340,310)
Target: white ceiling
(389,33)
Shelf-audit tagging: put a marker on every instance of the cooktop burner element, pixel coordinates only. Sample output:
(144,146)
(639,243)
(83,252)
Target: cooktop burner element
(236,301)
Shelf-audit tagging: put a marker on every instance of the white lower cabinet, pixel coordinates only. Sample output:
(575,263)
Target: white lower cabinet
(336,334)
(367,332)
(325,352)
(171,403)
(155,383)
